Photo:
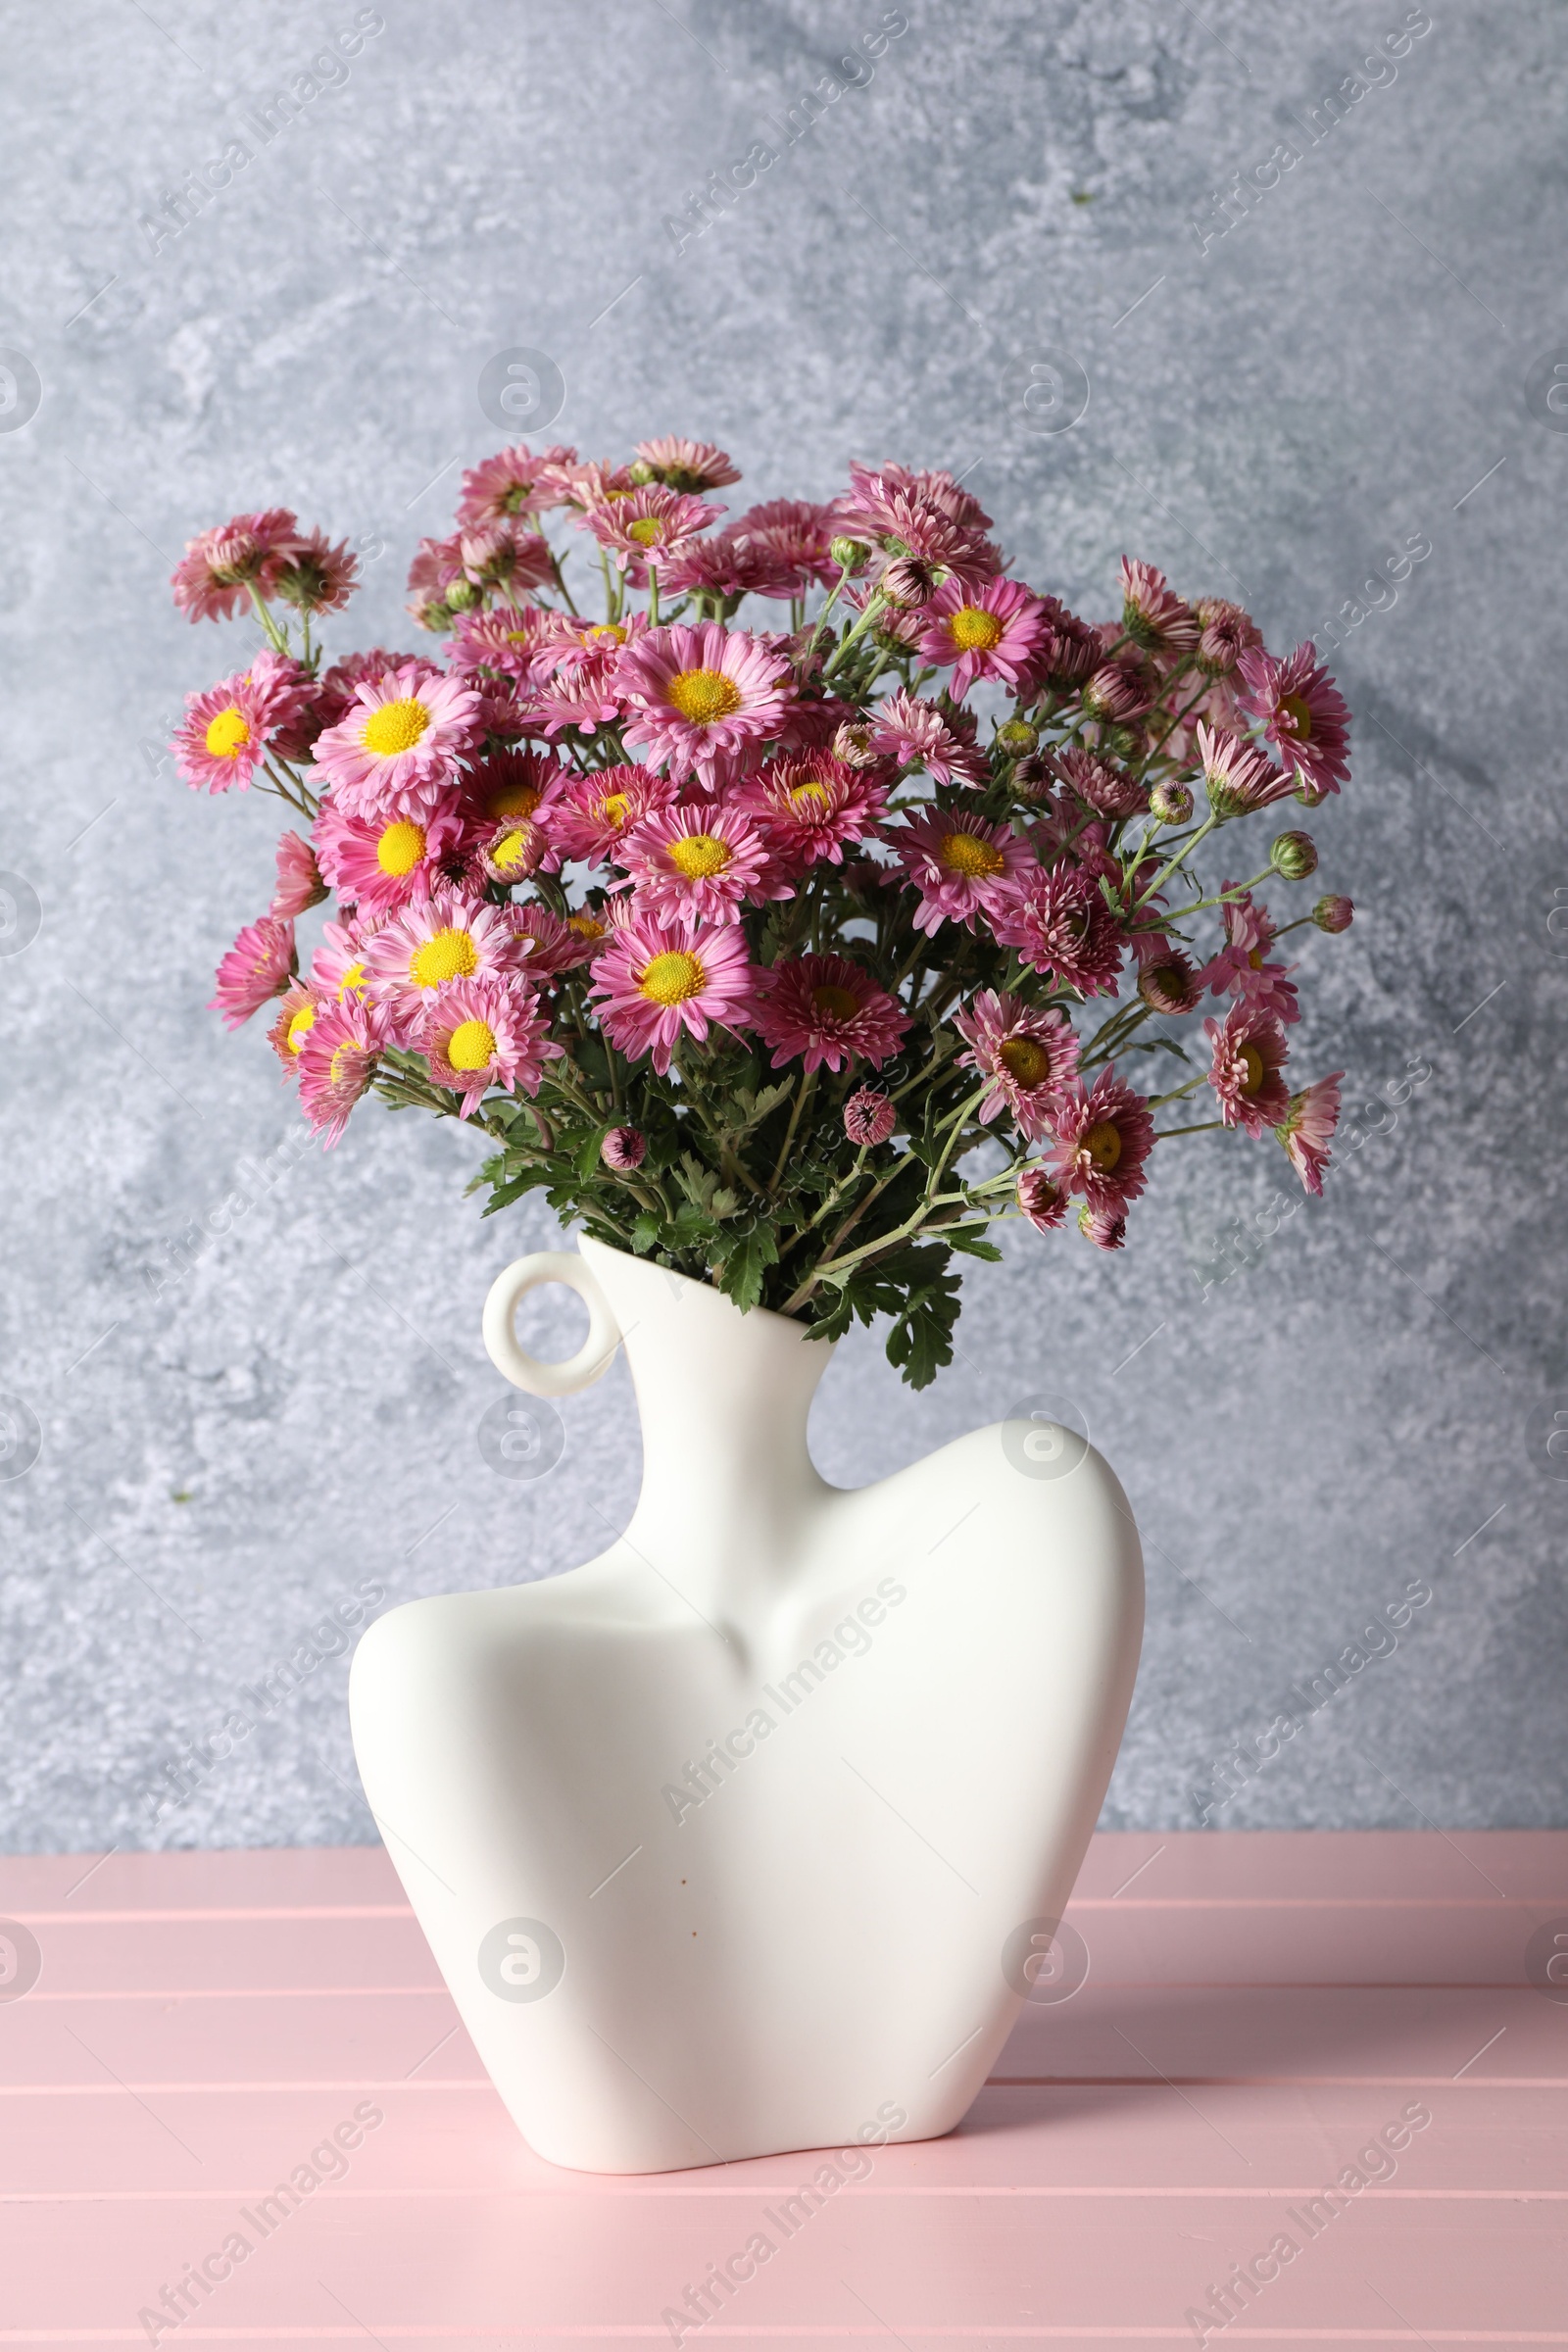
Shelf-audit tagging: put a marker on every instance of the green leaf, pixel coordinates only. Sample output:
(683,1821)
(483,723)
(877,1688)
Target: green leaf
(973,1241)
(746,1264)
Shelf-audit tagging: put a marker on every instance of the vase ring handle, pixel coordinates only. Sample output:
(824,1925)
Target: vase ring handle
(530,1372)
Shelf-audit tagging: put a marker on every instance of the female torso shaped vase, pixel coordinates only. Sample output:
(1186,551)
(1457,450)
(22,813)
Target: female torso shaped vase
(752,1834)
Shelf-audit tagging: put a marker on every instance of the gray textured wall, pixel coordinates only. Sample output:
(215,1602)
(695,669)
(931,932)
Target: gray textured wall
(1365,1398)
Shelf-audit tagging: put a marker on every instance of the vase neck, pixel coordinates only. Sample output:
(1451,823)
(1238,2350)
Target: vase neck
(724,1398)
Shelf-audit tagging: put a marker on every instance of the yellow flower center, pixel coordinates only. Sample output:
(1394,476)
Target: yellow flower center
(704,695)
(813,789)
(1254,957)
(401,846)
(1252,1062)
(965,854)
(1298,714)
(511,850)
(449,956)
(672,978)
(586,926)
(352,983)
(613,810)
(471,1045)
(513,799)
(974,629)
(1102,1144)
(697,855)
(1025,1059)
(647,532)
(300,1027)
(605,632)
(395,727)
(228,734)
(836,1003)
(335,1073)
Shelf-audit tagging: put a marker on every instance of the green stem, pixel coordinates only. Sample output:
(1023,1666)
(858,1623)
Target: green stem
(801,1094)
(1166,871)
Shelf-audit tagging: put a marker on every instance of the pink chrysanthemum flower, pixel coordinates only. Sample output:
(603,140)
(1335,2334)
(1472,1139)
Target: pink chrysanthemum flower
(699,861)
(960,865)
(657,979)
(1100,785)
(337,1062)
(214,575)
(228,731)
(1303,714)
(699,696)
(624,1150)
(725,566)
(1247,1054)
(794,536)
(297,1012)
(336,692)
(318,576)
(1027,1055)
(403,739)
(1119,690)
(982,629)
(259,966)
(1059,923)
(505,556)
(649,527)
(827,1009)
(509,483)
(480,1034)
(1166,979)
(448,937)
(586,482)
(557,943)
(337,968)
(1238,778)
(585,697)
(568,642)
(1307,1126)
(915,734)
(688,464)
(394,858)
(299,878)
(1242,966)
(1153,614)
(812,805)
(504,641)
(1040,1198)
(1227,633)
(518,788)
(926,515)
(1107,1228)
(870,1119)
(1103,1136)
(596,813)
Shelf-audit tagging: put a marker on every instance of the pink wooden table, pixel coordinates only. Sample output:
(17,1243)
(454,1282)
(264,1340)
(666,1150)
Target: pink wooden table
(1259,2008)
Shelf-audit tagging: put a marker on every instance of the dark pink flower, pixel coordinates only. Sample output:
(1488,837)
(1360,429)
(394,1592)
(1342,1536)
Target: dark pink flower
(1247,1054)
(228,730)
(299,878)
(1153,614)
(870,1119)
(1308,1125)
(701,860)
(655,980)
(916,734)
(215,574)
(685,464)
(1059,923)
(1040,1198)
(982,629)
(1303,716)
(792,536)
(699,697)
(260,965)
(509,483)
(1027,1055)
(624,1150)
(1107,1228)
(337,1060)
(1103,1136)
(960,865)
(1110,791)
(827,1009)
(1237,778)
(1241,967)
(650,526)
(812,805)
(317,577)
(380,864)
(596,813)
(1227,633)
(1334,913)
(478,1034)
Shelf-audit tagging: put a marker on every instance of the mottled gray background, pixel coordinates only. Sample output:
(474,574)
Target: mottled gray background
(226,1451)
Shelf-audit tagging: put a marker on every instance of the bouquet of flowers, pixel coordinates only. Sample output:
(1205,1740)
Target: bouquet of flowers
(794,954)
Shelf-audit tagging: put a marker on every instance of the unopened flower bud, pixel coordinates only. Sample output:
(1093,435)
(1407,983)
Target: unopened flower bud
(906,582)
(870,1119)
(1170,986)
(1016,737)
(1295,855)
(1040,1198)
(460,595)
(642,473)
(1032,777)
(1171,803)
(624,1149)
(1333,915)
(1102,1227)
(852,743)
(849,554)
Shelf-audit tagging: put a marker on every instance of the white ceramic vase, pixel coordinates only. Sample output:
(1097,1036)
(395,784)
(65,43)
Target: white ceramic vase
(753,1833)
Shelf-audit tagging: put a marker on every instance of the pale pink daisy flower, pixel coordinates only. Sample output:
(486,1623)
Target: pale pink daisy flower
(1153,614)
(1027,1055)
(586,697)
(447,937)
(335,691)
(702,696)
(795,536)
(624,1150)
(1059,923)
(688,464)
(1303,714)
(299,877)
(337,968)
(925,516)
(649,527)
(384,863)
(338,1059)
(509,483)
(214,575)
(297,1012)
(813,803)
(402,738)
(870,1119)
(318,576)
(960,865)
(1103,1136)
(523,788)
(655,980)
(596,813)
(1040,1198)
(1242,966)
(701,862)
(480,1034)
(1238,778)
(557,943)
(982,629)
(259,966)
(568,641)
(827,1009)
(916,734)
(228,730)
(1308,1127)
(1247,1054)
